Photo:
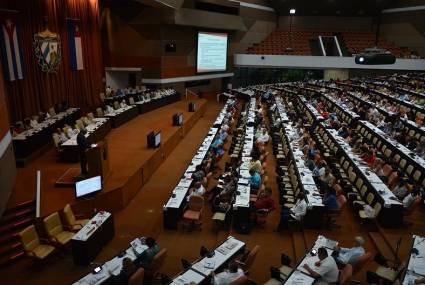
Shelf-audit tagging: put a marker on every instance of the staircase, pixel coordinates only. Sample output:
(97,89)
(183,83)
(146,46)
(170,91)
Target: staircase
(13,221)
(342,45)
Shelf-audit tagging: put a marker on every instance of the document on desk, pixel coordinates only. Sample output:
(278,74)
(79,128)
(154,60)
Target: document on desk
(188,277)
(310,261)
(299,278)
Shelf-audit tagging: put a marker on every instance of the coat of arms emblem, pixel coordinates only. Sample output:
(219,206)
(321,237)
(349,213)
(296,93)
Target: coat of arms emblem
(47,50)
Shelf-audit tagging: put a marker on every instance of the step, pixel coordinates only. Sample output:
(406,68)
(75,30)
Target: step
(12,258)
(15,227)
(23,205)
(5,239)
(382,245)
(21,214)
(11,247)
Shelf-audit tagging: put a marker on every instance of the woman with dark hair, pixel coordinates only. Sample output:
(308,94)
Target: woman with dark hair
(127,269)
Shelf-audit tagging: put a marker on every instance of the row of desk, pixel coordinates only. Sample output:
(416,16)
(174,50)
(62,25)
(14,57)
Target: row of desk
(96,131)
(200,271)
(414,166)
(382,95)
(28,142)
(391,214)
(173,208)
(416,262)
(299,275)
(114,266)
(418,131)
(412,128)
(241,206)
(315,207)
(414,163)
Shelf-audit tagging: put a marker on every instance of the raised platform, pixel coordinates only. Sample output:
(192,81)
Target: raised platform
(132,163)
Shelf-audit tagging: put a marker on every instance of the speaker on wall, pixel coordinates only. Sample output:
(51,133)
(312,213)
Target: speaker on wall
(170,47)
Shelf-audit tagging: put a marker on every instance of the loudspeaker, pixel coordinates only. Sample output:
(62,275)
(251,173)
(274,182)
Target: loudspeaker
(170,47)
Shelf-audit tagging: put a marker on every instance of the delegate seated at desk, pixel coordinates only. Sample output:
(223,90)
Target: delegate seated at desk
(227,276)
(326,270)
(128,268)
(145,259)
(350,255)
(299,210)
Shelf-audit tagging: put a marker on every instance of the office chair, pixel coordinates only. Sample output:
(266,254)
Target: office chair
(32,244)
(137,277)
(72,223)
(55,231)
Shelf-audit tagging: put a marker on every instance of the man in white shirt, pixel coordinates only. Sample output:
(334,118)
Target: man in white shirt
(350,255)
(325,270)
(108,109)
(299,210)
(33,122)
(198,189)
(408,200)
(264,137)
(228,276)
(69,131)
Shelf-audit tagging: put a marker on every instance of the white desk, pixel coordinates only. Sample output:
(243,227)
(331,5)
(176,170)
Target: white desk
(382,190)
(114,265)
(221,255)
(300,276)
(96,222)
(314,199)
(97,123)
(45,124)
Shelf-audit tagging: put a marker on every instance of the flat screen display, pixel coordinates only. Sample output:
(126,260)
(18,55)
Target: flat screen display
(212,52)
(88,186)
(157,139)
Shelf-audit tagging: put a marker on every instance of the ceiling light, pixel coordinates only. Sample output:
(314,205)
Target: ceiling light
(292,11)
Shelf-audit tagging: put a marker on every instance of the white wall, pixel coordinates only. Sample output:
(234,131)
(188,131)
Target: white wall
(117,79)
(320,62)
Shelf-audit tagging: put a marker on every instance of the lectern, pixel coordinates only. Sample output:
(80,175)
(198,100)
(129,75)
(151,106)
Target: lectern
(98,159)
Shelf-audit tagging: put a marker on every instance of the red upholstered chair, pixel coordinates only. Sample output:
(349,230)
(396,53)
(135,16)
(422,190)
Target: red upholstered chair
(193,214)
(156,264)
(361,262)
(346,275)
(137,277)
(249,260)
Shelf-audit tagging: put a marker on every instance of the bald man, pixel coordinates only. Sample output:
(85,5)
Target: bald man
(350,255)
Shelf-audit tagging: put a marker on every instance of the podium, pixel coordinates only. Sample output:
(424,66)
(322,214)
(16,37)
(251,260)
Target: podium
(98,160)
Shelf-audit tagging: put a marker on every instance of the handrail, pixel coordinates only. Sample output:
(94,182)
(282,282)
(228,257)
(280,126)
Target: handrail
(38,195)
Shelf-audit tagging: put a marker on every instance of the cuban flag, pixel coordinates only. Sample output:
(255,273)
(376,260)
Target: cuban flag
(11,53)
(75,48)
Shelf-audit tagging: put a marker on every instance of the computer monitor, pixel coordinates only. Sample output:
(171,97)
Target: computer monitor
(151,139)
(180,120)
(88,187)
(192,107)
(157,139)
